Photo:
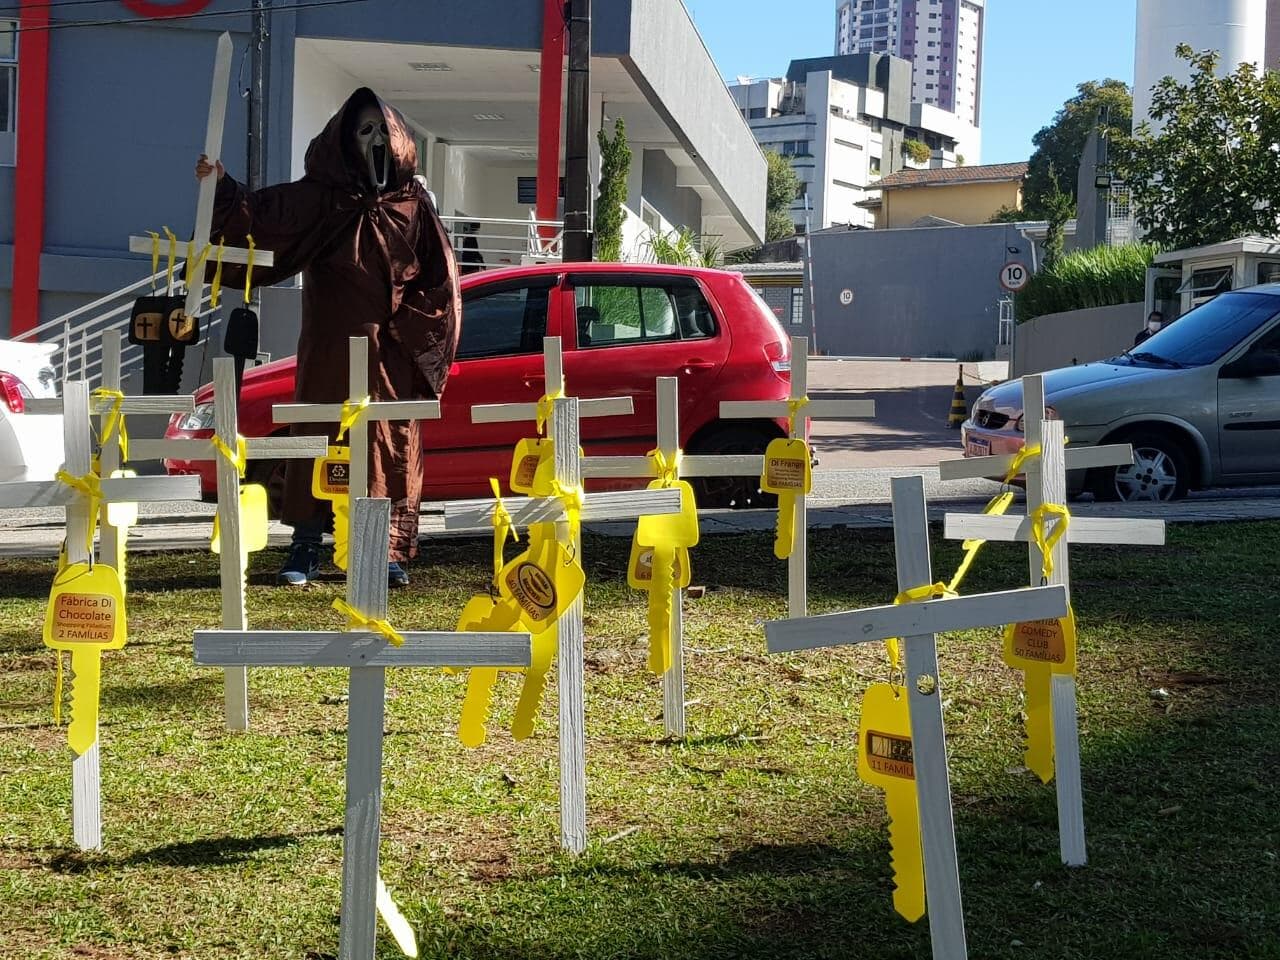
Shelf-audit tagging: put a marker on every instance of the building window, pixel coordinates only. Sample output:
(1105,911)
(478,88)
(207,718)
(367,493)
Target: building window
(797,306)
(527,190)
(873,164)
(8,91)
(757,113)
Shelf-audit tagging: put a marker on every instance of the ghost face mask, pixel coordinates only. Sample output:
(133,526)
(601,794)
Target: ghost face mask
(372,144)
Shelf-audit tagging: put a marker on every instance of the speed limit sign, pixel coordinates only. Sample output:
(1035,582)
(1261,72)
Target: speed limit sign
(1014,276)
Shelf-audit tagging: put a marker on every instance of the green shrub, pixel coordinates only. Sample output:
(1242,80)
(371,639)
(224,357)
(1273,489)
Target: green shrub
(1101,277)
(916,151)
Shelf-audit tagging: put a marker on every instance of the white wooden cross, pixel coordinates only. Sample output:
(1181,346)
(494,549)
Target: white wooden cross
(233,559)
(358,434)
(917,624)
(1046,478)
(614,505)
(691,465)
(367,653)
(86,805)
(798,563)
(208,187)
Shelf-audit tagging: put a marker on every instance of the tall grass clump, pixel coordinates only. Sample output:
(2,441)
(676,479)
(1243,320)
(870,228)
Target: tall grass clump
(1101,277)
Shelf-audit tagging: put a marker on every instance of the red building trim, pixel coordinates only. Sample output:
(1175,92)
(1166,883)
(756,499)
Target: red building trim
(28,201)
(550,110)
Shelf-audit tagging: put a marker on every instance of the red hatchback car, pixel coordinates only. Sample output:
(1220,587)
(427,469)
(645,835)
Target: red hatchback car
(621,327)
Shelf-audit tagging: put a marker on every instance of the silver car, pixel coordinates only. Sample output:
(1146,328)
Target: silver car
(1199,401)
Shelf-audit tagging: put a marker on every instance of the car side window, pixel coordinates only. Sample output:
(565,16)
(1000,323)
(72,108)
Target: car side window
(504,322)
(1268,345)
(624,313)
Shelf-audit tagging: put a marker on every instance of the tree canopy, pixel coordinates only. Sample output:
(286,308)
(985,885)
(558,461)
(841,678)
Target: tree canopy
(1059,145)
(1212,171)
(781,190)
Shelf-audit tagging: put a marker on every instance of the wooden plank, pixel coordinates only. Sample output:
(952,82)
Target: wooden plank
(1123,530)
(212,150)
(261,258)
(332,412)
(570,656)
(111,540)
(170,449)
(928,740)
(359,648)
(45,493)
(231,560)
(912,619)
(609,505)
(673,696)
(552,366)
(86,799)
(147,405)
(691,465)
(512,412)
(256,448)
(814,410)
(1078,458)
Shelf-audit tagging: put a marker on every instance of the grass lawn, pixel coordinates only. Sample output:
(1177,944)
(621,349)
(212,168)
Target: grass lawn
(753,838)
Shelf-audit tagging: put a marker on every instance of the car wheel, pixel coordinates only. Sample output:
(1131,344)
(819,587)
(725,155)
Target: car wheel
(269,473)
(1161,470)
(736,492)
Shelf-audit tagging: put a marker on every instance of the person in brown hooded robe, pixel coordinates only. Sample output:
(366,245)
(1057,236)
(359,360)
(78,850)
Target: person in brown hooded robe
(376,262)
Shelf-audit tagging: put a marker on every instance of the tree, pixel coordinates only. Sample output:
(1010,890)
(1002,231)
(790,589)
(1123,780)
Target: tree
(615,166)
(1059,207)
(1060,144)
(781,190)
(1213,170)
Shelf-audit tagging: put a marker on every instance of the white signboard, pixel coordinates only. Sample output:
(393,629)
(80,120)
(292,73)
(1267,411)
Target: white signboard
(846,297)
(1014,276)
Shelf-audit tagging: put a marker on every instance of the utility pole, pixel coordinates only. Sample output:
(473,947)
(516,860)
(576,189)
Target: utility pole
(260,70)
(577,169)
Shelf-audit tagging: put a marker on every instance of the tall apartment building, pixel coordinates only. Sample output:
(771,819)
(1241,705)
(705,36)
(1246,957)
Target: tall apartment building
(941,38)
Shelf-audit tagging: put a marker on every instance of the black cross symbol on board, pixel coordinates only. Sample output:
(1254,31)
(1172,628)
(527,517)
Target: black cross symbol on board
(181,326)
(146,326)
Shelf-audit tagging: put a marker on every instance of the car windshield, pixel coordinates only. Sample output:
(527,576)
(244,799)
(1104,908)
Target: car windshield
(1208,332)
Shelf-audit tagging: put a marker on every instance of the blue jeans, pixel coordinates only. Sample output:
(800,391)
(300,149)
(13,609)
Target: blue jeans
(309,531)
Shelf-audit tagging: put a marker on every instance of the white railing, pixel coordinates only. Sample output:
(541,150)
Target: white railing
(504,242)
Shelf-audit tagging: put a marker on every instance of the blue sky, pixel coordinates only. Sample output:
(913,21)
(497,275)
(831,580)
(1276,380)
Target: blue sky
(1035,53)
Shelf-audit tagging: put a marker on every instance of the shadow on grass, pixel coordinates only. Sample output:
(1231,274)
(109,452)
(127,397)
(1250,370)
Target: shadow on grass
(175,693)
(214,852)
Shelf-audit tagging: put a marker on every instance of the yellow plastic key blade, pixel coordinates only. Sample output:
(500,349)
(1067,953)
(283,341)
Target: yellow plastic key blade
(341,533)
(475,707)
(661,595)
(1038,686)
(784,541)
(906,850)
(86,676)
(535,682)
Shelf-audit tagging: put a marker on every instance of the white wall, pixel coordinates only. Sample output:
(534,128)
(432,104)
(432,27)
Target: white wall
(319,88)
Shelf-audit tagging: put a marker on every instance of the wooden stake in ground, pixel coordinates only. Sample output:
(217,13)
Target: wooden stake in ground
(565,413)
(230,451)
(80,494)
(800,409)
(918,623)
(1053,739)
(367,648)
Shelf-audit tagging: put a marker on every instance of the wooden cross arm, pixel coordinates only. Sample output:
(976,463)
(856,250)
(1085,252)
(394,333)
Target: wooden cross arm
(517,412)
(612,505)
(99,405)
(691,465)
(261,258)
(358,648)
(48,493)
(814,409)
(916,619)
(255,448)
(960,526)
(332,412)
(1078,458)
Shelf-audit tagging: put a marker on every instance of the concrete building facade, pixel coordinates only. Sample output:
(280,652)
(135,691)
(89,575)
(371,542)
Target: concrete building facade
(941,38)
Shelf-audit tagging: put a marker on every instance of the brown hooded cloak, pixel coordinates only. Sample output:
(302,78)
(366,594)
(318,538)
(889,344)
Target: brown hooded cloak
(376,265)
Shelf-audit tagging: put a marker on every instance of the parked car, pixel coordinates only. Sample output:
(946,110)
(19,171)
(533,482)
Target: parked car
(30,447)
(1199,401)
(621,327)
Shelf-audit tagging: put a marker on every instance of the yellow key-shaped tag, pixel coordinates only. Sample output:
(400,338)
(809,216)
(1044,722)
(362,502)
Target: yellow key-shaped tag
(253,520)
(481,614)
(331,475)
(1037,687)
(666,535)
(341,533)
(533,467)
(886,759)
(640,567)
(543,653)
(788,472)
(86,616)
(122,515)
(542,582)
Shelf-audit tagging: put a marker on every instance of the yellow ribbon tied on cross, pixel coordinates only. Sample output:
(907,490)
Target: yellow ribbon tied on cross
(359,620)
(114,424)
(929,591)
(667,538)
(352,414)
(238,458)
(545,405)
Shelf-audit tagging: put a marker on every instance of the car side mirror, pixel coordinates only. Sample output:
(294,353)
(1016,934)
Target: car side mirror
(1259,363)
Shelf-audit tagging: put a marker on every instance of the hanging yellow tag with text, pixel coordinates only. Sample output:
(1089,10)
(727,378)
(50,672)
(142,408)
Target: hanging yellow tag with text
(666,535)
(671,529)
(533,467)
(253,520)
(1042,641)
(886,759)
(788,467)
(640,566)
(542,582)
(331,475)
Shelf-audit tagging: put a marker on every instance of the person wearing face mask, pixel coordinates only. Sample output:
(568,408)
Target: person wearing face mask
(376,262)
(1154,322)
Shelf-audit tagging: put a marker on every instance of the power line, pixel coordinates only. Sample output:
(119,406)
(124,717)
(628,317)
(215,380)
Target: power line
(117,21)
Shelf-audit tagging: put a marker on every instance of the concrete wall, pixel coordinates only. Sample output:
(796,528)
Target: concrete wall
(658,186)
(926,292)
(1075,337)
(323,87)
(968,203)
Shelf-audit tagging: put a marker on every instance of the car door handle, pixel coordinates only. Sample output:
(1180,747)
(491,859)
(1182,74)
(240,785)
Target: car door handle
(696,364)
(534,379)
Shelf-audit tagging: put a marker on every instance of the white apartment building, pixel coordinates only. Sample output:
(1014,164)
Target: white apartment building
(843,122)
(941,38)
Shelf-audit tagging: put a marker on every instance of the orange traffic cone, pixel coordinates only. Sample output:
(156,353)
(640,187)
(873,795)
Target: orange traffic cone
(959,409)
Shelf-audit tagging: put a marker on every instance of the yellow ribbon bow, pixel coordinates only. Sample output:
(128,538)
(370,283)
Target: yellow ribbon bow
(1046,543)
(195,263)
(358,619)
(248,271)
(668,471)
(930,591)
(173,256)
(503,526)
(351,414)
(572,498)
(215,288)
(91,486)
(793,408)
(545,404)
(237,457)
(115,419)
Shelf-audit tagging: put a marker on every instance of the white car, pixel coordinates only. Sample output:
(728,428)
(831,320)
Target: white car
(30,446)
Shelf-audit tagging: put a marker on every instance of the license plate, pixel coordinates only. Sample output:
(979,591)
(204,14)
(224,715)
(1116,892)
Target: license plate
(976,447)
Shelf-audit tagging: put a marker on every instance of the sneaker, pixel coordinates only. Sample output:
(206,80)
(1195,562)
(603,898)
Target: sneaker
(302,566)
(396,576)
